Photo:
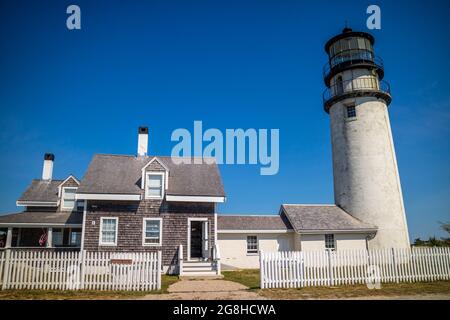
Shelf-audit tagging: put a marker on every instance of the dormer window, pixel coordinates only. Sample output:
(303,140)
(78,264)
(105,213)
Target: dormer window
(154,185)
(68,198)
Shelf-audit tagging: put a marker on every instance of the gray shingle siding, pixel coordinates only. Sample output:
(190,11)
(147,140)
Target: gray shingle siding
(131,215)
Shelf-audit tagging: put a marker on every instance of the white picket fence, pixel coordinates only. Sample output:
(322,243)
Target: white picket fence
(344,267)
(80,270)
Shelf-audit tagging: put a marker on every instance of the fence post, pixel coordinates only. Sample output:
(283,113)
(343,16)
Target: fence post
(394,261)
(82,257)
(6,269)
(158,272)
(330,270)
(261,270)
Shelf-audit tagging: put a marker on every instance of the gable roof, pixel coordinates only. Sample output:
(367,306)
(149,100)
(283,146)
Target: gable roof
(44,190)
(41,191)
(313,218)
(249,222)
(122,174)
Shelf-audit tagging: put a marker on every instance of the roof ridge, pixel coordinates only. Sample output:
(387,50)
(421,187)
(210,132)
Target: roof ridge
(248,215)
(359,220)
(310,205)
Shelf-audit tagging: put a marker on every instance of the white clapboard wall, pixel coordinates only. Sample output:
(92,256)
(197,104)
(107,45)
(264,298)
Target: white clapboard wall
(48,270)
(345,267)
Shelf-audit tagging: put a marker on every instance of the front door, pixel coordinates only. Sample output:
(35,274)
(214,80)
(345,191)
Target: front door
(196,239)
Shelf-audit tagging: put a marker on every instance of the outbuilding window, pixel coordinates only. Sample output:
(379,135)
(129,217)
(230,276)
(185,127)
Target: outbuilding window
(252,244)
(330,244)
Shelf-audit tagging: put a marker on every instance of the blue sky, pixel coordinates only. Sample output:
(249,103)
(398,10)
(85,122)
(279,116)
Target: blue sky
(231,64)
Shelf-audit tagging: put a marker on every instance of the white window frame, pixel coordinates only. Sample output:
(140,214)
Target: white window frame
(334,242)
(101,243)
(246,245)
(163,181)
(74,199)
(144,224)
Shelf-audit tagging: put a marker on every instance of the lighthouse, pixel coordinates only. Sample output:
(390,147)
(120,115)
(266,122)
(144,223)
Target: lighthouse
(365,171)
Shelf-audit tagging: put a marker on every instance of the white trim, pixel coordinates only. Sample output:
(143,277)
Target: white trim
(160,232)
(67,179)
(109,244)
(74,198)
(166,172)
(188,253)
(22,203)
(255,231)
(38,225)
(337,231)
(83,226)
(195,198)
(103,196)
(163,182)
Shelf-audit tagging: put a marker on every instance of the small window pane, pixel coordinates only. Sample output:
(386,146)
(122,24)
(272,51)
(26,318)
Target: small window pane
(57,237)
(69,197)
(109,231)
(252,244)
(154,180)
(152,231)
(154,185)
(75,237)
(329,242)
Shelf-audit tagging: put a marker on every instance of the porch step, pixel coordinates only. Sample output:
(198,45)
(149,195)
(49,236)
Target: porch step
(197,269)
(197,264)
(209,274)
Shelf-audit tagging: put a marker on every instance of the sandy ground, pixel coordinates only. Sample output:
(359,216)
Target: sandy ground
(205,290)
(222,289)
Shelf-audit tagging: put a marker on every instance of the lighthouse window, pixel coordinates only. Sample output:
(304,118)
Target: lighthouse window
(351,112)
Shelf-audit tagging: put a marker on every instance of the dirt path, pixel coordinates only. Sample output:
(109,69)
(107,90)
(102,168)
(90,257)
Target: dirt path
(228,290)
(205,290)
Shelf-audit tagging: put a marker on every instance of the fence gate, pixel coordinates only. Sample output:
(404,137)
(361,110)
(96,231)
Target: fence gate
(80,270)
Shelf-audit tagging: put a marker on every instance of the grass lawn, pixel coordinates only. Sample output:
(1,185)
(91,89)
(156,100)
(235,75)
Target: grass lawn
(250,278)
(247,277)
(166,281)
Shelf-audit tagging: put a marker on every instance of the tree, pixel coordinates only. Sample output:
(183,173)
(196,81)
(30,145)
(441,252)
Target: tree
(446,227)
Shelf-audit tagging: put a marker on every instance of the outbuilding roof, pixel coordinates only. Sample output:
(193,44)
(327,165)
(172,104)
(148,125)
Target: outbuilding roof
(122,174)
(313,218)
(252,222)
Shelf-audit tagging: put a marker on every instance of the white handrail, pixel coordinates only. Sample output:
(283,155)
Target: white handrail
(216,258)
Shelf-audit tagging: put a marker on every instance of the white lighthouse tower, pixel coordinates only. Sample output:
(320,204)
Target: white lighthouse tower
(366,178)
